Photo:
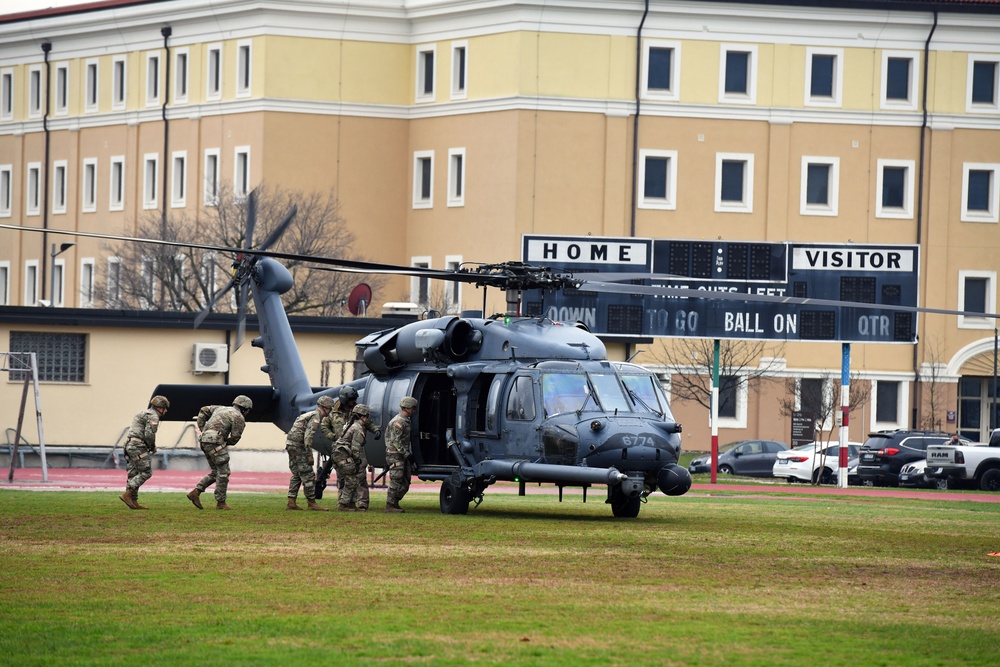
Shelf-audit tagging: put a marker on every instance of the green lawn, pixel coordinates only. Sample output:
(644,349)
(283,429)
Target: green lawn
(697,580)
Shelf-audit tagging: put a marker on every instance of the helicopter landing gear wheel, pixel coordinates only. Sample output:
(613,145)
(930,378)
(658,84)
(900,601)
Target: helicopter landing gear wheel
(622,506)
(455,498)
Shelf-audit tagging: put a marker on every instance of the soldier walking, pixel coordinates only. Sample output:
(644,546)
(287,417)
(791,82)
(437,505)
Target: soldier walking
(221,427)
(333,427)
(399,454)
(298,444)
(140,445)
(348,455)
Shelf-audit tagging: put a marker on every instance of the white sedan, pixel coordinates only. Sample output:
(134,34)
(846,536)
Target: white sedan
(817,462)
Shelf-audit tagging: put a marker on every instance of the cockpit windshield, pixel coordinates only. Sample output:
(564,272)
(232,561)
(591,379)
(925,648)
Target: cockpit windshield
(645,392)
(574,392)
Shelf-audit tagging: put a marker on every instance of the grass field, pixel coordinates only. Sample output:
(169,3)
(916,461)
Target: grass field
(697,580)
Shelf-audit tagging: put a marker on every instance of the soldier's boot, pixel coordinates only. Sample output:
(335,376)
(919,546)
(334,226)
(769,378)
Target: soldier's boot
(129,499)
(193,497)
(135,499)
(392,508)
(292,505)
(316,508)
(221,505)
(346,508)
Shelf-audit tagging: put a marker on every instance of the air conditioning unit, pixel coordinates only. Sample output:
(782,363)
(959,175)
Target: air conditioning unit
(210,358)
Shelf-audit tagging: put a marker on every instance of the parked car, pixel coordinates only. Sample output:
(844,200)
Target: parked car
(752,458)
(885,453)
(914,474)
(817,461)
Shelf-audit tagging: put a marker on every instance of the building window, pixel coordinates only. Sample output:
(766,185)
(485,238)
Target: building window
(459,69)
(181,76)
(34,192)
(5,283)
(977,294)
(899,80)
(35,92)
(62,89)
(89,185)
(61,357)
(734,182)
(59,186)
(732,401)
(820,179)
(420,289)
(118,83)
(824,77)
(178,190)
(243,71)
(87,282)
(6,94)
(211,177)
(214,75)
(58,295)
(983,83)
(92,86)
(657,180)
(456,177)
(738,79)
(811,397)
(453,289)
(423,179)
(147,282)
(425,73)
(886,408)
(152,79)
(980,192)
(241,177)
(661,64)
(114,296)
(116,201)
(6,189)
(31,282)
(894,190)
(150,180)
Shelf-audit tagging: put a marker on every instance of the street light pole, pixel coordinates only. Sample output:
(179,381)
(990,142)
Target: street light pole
(63,247)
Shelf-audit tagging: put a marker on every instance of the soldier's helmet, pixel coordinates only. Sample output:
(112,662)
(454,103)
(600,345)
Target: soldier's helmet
(361,410)
(159,402)
(325,402)
(243,403)
(348,394)
(407,402)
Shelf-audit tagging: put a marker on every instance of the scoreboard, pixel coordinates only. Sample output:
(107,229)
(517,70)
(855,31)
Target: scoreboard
(867,274)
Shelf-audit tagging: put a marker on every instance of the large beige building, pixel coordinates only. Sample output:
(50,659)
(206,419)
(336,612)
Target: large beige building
(450,129)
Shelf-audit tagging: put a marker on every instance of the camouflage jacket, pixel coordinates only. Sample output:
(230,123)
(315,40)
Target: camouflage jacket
(333,424)
(224,424)
(397,437)
(353,441)
(303,429)
(144,427)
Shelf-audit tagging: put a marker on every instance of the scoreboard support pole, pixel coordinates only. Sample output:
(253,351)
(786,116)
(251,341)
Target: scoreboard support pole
(715,409)
(845,408)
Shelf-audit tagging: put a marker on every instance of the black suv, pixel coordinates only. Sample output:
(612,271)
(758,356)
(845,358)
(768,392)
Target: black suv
(886,452)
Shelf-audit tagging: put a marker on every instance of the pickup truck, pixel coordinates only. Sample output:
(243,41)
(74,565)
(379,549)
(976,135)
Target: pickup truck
(977,463)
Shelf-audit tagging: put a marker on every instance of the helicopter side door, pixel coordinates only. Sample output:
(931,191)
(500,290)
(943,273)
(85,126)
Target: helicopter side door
(521,413)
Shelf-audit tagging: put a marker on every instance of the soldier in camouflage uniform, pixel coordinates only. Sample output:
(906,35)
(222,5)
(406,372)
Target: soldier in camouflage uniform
(399,454)
(221,427)
(333,427)
(348,453)
(140,445)
(298,444)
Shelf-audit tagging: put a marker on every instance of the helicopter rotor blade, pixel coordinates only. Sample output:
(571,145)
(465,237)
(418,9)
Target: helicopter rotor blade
(276,233)
(241,309)
(251,219)
(211,304)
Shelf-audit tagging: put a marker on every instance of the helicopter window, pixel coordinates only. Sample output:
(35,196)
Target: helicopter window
(610,393)
(492,403)
(564,392)
(397,390)
(645,393)
(373,398)
(521,401)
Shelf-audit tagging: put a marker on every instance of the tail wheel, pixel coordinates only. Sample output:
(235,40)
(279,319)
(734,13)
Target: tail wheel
(622,506)
(455,498)
(990,481)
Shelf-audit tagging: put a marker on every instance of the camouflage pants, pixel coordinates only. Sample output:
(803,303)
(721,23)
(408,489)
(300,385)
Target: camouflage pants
(399,479)
(300,463)
(218,461)
(363,491)
(139,463)
(347,477)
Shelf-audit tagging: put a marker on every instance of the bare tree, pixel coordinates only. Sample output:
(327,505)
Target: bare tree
(932,388)
(185,279)
(690,361)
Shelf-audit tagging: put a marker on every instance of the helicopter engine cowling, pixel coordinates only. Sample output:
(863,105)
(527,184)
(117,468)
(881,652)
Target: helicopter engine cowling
(448,339)
(673,480)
